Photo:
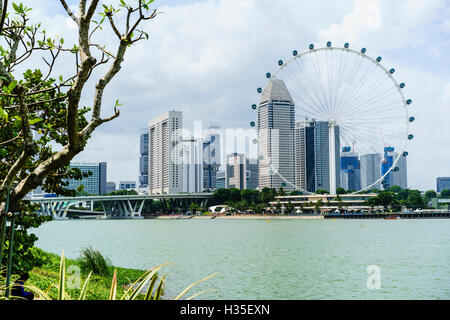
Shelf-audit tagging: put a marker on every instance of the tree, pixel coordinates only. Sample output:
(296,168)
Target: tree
(296,193)
(249,195)
(384,198)
(415,200)
(281,192)
(194,208)
(290,208)
(35,102)
(267,195)
(278,207)
(42,124)
(340,191)
(445,193)
(430,194)
(235,195)
(320,191)
(220,196)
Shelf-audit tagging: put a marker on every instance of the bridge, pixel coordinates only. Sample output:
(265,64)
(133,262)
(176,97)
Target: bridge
(120,206)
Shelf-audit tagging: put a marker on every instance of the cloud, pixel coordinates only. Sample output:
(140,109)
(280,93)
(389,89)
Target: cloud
(207,59)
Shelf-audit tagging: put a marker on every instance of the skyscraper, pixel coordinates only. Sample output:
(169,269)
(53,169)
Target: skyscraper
(398,175)
(143,161)
(370,170)
(442,183)
(211,156)
(350,170)
(236,171)
(164,154)
(252,173)
(276,120)
(192,165)
(400,172)
(322,155)
(304,155)
(95,183)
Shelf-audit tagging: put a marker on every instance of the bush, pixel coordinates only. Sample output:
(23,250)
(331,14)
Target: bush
(93,260)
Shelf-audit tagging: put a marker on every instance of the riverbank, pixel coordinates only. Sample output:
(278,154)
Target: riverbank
(236,216)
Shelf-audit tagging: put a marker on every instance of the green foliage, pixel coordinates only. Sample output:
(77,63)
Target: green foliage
(50,284)
(340,191)
(430,194)
(26,257)
(320,191)
(445,193)
(93,260)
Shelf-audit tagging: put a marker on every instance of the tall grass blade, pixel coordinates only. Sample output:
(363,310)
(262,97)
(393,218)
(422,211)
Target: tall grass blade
(130,289)
(38,292)
(148,295)
(62,277)
(147,278)
(112,294)
(84,289)
(192,285)
(159,289)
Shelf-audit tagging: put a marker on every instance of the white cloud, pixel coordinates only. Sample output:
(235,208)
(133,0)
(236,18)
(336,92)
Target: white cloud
(207,59)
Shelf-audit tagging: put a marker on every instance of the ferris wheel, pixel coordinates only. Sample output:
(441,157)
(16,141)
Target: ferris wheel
(358,98)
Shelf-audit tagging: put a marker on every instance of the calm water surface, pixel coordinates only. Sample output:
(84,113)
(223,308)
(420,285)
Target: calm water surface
(283,259)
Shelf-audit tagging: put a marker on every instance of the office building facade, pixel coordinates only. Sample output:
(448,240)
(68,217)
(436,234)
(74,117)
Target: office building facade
(304,155)
(127,185)
(276,121)
(164,154)
(143,161)
(398,175)
(211,157)
(220,180)
(110,187)
(192,165)
(322,155)
(370,169)
(252,173)
(95,184)
(442,183)
(350,170)
(236,171)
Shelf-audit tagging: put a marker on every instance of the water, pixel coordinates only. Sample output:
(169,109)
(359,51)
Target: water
(283,259)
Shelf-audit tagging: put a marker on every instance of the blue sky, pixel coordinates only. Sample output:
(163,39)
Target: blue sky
(206,58)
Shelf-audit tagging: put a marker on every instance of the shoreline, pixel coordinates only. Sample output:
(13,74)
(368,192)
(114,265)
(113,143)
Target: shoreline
(235,217)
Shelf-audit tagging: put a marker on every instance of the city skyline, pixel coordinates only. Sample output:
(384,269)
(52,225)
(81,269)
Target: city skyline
(401,42)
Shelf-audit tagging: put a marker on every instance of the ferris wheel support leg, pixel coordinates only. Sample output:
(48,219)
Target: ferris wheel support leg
(332,156)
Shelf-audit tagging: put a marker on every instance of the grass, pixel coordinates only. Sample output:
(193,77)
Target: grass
(99,286)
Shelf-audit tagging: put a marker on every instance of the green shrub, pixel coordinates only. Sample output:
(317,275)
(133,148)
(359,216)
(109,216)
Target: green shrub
(93,260)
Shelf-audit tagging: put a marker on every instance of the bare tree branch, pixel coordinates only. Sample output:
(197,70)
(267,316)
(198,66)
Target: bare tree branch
(69,12)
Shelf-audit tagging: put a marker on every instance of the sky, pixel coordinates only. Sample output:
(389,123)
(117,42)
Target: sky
(206,59)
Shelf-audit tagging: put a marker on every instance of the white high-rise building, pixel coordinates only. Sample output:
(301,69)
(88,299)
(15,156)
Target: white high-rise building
(276,120)
(165,174)
(192,165)
(370,169)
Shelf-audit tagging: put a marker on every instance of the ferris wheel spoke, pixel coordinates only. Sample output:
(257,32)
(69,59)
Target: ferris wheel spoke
(356,66)
(308,76)
(319,77)
(373,94)
(350,99)
(303,89)
(394,106)
(370,102)
(339,79)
